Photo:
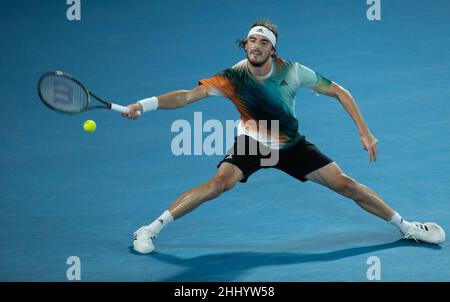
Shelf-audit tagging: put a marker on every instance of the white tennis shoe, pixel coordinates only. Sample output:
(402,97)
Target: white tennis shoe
(428,232)
(143,240)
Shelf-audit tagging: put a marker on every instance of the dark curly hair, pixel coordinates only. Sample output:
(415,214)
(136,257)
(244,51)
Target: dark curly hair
(267,24)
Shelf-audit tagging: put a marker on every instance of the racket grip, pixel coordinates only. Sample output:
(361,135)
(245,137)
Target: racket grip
(121,109)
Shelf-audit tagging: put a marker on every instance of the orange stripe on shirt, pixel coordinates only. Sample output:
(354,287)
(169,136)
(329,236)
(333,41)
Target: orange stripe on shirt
(224,86)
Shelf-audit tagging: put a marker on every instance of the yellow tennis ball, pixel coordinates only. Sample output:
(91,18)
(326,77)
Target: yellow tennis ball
(89,126)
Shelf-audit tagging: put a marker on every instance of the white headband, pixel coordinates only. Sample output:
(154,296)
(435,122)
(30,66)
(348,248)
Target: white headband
(263,31)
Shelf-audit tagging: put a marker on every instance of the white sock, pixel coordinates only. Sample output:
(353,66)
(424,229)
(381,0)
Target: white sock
(161,222)
(399,222)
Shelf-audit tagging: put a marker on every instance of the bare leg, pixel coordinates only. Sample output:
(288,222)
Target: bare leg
(226,177)
(334,178)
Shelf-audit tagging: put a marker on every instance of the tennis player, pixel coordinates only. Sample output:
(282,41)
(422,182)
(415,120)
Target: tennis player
(263,88)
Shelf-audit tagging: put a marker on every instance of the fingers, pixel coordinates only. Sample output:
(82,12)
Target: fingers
(126,115)
(132,114)
(373,151)
(371,145)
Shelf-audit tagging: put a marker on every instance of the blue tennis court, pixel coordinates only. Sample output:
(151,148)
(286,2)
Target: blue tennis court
(65,192)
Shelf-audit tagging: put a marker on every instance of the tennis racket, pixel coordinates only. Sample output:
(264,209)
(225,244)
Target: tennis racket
(63,93)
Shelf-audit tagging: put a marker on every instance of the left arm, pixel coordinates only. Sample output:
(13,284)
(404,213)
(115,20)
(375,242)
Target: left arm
(369,142)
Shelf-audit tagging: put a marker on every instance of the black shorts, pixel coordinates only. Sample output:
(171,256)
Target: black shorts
(296,160)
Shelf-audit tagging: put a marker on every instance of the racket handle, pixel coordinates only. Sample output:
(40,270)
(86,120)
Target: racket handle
(121,109)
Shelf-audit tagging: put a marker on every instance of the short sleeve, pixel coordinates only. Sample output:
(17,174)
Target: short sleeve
(218,85)
(308,78)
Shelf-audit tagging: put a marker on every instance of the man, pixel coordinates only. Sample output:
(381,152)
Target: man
(263,87)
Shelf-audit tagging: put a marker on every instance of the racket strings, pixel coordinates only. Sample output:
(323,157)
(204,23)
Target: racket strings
(63,94)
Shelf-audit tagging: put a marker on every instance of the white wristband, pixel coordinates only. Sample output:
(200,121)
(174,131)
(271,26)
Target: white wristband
(149,104)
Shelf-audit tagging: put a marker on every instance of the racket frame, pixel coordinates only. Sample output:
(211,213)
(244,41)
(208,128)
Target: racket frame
(89,93)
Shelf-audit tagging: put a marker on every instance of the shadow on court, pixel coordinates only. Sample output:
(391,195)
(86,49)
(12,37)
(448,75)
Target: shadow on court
(229,266)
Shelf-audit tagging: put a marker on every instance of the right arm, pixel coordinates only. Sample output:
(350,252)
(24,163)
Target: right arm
(172,100)
(181,98)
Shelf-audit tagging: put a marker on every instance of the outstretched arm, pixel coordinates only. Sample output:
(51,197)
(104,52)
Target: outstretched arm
(369,142)
(171,100)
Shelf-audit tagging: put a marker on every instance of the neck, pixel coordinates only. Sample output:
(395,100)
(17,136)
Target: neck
(261,70)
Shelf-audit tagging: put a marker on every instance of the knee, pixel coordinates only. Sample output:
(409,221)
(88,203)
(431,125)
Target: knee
(347,186)
(219,185)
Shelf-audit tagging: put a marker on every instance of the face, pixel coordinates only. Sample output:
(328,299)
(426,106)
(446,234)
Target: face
(258,49)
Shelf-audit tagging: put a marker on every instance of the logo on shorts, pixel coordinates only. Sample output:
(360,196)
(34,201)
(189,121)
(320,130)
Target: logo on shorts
(229,156)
